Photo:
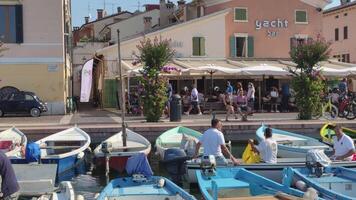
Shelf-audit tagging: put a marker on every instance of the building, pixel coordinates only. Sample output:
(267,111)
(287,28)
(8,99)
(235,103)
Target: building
(38,56)
(339,28)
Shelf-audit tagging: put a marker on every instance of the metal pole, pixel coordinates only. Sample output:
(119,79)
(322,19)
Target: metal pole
(122,91)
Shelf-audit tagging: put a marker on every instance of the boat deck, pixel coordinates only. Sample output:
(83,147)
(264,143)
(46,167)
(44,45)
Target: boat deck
(331,179)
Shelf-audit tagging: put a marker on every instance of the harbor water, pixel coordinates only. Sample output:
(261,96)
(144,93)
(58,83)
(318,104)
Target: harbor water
(88,184)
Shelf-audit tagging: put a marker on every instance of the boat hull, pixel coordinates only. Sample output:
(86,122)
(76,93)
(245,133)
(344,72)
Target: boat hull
(270,171)
(116,163)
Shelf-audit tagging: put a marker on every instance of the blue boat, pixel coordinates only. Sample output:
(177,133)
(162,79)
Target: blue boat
(142,184)
(291,145)
(237,182)
(330,182)
(65,148)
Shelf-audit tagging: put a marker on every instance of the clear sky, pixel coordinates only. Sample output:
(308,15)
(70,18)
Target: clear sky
(82,8)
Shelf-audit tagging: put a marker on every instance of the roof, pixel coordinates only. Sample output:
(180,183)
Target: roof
(336,8)
(166,28)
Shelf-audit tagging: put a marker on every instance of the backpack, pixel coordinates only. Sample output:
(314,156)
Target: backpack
(33,152)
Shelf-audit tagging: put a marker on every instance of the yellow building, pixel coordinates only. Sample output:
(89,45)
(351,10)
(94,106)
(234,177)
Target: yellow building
(36,35)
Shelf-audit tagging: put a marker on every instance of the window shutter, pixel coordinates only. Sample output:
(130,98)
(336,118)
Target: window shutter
(19,24)
(195,46)
(250,43)
(301,16)
(202,46)
(232,47)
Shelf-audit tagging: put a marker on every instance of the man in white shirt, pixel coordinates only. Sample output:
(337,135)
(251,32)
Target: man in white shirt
(194,101)
(344,147)
(267,148)
(214,143)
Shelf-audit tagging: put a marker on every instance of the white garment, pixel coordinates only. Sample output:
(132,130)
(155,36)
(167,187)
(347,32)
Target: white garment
(251,93)
(268,150)
(211,140)
(194,96)
(343,146)
(274,94)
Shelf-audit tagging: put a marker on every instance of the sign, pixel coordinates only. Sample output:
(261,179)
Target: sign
(52,68)
(271,24)
(87,79)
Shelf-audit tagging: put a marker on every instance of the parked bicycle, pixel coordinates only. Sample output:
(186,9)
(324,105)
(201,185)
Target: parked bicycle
(325,109)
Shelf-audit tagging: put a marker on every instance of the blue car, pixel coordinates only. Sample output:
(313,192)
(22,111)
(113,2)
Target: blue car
(22,102)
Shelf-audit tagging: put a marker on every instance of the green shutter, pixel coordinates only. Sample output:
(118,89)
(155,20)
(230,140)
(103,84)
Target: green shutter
(240,14)
(301,16)
(110,95)
(250,43)
(196,46)
(19,23)
(232,47)
(202,46)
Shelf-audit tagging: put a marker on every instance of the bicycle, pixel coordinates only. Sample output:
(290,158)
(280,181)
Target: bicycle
(327,110)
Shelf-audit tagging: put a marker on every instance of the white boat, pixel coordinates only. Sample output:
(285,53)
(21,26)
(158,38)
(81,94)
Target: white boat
(66,192)
(291,145)
(119,154)
(270,171)
(64,148)
(11,142)
(35,179)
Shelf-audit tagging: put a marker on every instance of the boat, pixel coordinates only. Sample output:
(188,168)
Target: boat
(65,192)
(11,142)
(65,148)
(291,145)
(35,179)
(118,154)
(174,138)
(141,184)
(239,183)
(327,132)
(330,182)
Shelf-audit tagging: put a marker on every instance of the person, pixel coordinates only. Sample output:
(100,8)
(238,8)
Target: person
(194,101)
(343,86)
(214,144)
(242,105)
(344,147)
(251,97)
(239,88)
(169,95)
(274,98)
(285,98)
(229,88)
(227,100)
(267,148)
(9,184)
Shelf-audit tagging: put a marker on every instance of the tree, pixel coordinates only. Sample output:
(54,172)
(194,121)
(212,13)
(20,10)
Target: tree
(154,55)
(308,82)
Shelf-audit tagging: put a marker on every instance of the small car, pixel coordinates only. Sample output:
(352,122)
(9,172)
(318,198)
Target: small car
(22,102)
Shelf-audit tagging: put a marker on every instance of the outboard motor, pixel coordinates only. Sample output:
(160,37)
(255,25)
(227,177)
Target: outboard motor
(208,165)
(174,160)
(316,160)
(106,147)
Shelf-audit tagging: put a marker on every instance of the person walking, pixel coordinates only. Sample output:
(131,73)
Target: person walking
(169,95)
(228,102)
(344,147)
(229,88)
(194,101)
(214,144)
(267,148)
(274,98)
(9,184)
(251,97)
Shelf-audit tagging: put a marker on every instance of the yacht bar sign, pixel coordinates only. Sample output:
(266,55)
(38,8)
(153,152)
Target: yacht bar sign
(271,24)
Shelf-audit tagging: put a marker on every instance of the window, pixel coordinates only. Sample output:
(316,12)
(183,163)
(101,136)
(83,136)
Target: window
(11,23)
(241,15)
(336,34)
(29,97)
(346,34)
(345,14)
(337,17)
(345,58)
(338,57)
(241,46)
(301,17)
(198,46)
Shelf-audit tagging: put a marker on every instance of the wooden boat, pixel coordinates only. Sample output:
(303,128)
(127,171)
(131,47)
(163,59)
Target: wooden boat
(152,188)
(291,145)
(66,192)
(270,171)
(11,142)
(238,183)
(65,149)
(119,154)
(334,183)
(327,132)
(173,139)
(35,179)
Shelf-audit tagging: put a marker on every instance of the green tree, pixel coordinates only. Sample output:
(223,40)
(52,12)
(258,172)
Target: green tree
(308,81)
(154,55)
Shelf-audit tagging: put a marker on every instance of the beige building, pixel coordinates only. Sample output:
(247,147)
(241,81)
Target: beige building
(38,57)
(339,28)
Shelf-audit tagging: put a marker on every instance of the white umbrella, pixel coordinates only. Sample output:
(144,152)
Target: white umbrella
(265,69)
(349,71)
(327,71)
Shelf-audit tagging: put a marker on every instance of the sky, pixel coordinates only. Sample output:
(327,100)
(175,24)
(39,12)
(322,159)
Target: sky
(82,8)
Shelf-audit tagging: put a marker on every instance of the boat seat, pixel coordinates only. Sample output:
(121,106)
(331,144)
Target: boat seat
(60,147)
